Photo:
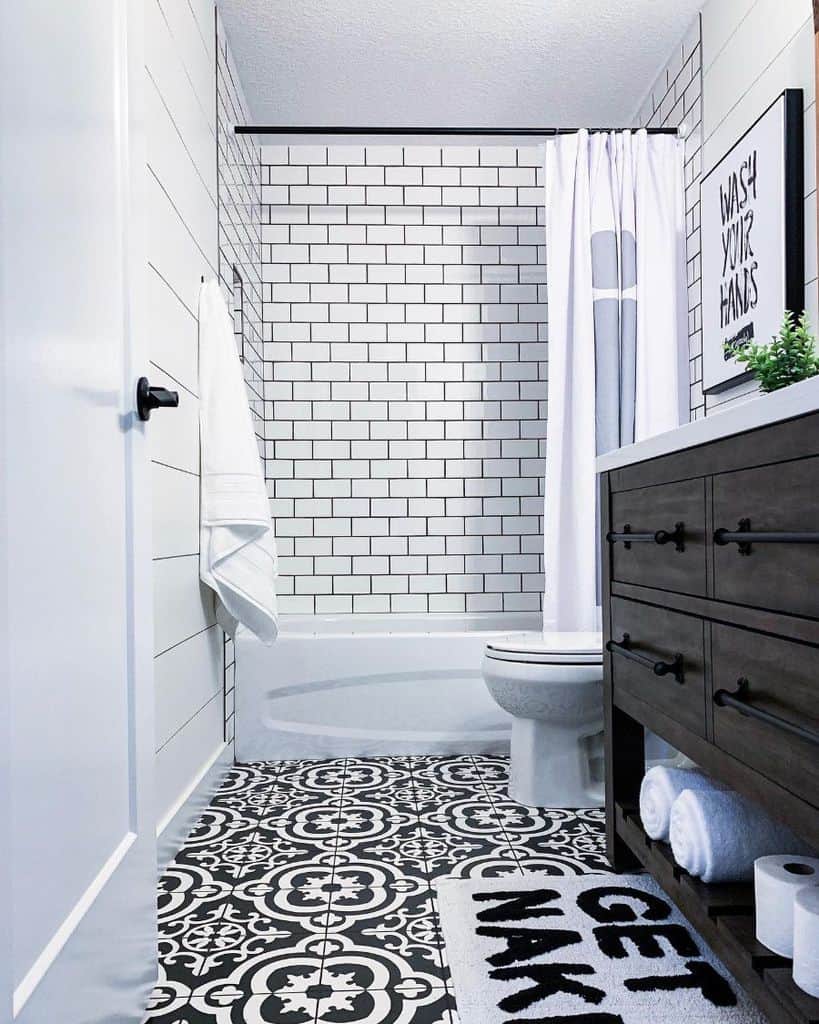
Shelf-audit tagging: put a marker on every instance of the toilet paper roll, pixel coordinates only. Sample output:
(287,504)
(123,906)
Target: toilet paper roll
(777,879)
(806,939)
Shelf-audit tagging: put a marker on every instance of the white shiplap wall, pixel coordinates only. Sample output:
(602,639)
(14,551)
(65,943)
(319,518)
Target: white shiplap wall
(239,176)
(751,51)
(675,99)
(182,246)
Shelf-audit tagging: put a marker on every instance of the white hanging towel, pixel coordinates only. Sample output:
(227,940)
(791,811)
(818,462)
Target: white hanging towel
(237,556)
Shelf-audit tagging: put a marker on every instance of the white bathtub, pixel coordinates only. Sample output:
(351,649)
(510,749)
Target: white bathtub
(356,685)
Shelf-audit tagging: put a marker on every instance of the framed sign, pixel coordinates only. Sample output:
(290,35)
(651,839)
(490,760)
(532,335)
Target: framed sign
(752,239)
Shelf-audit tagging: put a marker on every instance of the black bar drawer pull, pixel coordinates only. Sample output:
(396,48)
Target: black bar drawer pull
(739,700)
(744,536)
(659,668)
(627,537)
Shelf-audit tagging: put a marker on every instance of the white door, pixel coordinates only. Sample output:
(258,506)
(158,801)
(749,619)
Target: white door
(78,845)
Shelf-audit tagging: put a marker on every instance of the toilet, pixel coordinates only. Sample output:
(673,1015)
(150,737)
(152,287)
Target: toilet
(552,685)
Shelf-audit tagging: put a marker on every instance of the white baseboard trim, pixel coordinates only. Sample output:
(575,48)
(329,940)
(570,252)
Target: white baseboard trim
(37,971)
(172,830)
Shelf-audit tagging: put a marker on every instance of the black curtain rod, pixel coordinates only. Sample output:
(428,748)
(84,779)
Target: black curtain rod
(278,129)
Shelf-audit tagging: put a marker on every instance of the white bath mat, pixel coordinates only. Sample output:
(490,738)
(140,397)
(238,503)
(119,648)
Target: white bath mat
(594,949)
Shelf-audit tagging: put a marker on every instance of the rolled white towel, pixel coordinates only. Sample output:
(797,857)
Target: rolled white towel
(659,789)
(717,835)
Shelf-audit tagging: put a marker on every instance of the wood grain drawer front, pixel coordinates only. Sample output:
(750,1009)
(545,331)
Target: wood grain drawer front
(779,575)
(657,637)
(782,683)
(650,511)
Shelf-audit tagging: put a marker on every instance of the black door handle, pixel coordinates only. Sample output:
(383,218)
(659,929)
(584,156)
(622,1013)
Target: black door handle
(148,398)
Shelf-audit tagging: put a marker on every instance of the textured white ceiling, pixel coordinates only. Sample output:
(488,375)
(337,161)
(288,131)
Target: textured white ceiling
(451,62)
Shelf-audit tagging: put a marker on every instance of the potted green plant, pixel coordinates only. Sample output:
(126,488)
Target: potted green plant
(791,355)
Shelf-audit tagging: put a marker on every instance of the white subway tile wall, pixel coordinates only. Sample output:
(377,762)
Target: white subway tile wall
(675,99)
(239,184)
(405,341)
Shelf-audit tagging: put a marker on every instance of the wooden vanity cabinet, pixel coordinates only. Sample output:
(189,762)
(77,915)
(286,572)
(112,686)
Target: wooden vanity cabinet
(711,624)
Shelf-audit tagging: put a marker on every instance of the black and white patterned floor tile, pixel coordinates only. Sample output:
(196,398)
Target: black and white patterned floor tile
(305,893)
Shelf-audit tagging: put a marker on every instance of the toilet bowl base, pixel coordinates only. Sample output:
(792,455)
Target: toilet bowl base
(549,767)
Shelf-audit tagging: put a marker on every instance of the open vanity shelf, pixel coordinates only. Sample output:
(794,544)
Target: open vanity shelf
(724,916)
(714,646)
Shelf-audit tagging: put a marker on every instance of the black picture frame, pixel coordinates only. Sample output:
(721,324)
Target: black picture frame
(793,214)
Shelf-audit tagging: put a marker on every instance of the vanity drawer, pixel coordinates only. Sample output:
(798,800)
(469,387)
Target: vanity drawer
(660,557)
(774,574)
(783,683)
(657,656)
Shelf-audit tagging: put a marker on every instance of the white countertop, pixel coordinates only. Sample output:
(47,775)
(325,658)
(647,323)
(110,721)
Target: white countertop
(795,400)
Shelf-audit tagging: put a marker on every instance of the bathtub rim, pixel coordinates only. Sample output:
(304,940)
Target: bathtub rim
(406,624)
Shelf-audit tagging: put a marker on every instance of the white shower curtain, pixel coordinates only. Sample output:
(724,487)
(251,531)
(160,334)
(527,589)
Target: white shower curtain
(618,359)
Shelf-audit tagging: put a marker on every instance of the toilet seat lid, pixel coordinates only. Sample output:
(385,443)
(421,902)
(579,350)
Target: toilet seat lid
(574,648)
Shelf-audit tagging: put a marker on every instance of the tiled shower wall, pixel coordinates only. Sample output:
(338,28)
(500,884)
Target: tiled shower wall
(405,327)
(238,185)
